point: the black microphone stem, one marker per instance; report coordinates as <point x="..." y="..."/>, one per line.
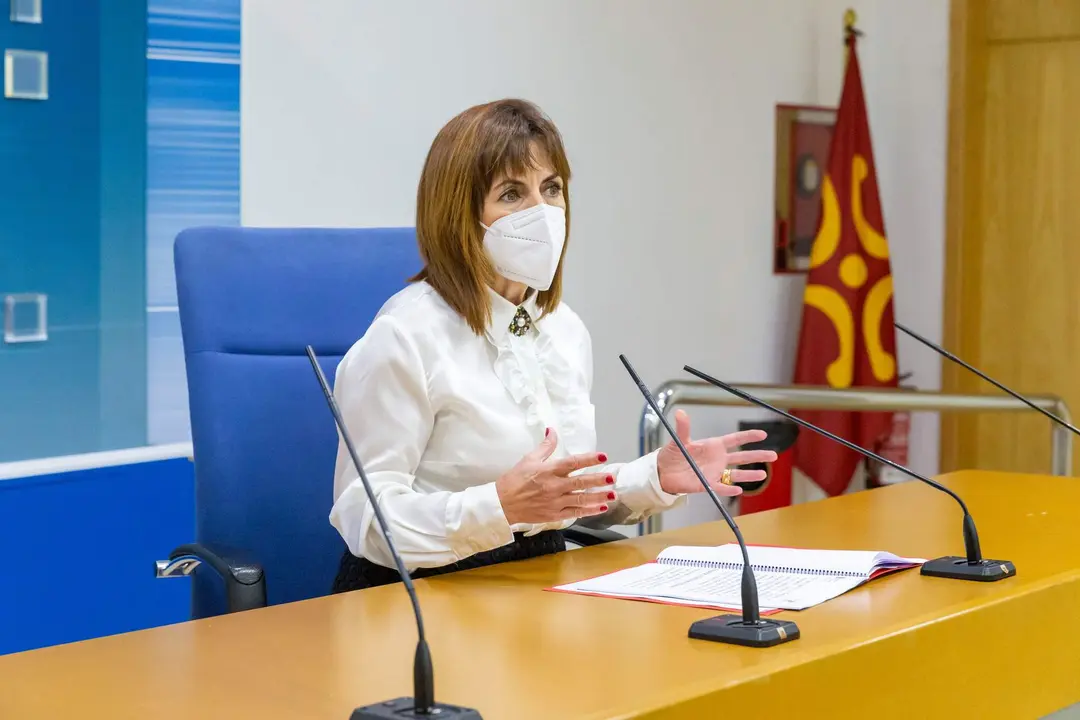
<point x="971" y="535"/>
<point x="751" y="610"/>
<point x="423" y="672"/>
<point x="949" y="356"/>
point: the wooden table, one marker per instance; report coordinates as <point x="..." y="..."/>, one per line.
<point x="902" y="646"/>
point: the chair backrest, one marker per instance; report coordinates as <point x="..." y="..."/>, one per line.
<point x="264" y="441"/>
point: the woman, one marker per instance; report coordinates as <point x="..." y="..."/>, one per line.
<point x="468" y="397"/>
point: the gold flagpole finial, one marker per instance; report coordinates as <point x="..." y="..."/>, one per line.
<point x="850" y="18"/>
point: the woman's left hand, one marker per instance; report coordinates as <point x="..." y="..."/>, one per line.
<point x="713" y="456"/>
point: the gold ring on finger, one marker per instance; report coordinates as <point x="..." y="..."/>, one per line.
<point x="725" y="479"/>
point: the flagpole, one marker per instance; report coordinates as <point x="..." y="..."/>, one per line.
<point x="850" y="18"/>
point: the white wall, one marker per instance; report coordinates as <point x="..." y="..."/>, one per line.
<point x="667" y="111"/>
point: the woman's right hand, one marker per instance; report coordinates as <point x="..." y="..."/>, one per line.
<point x="541" y="490"/>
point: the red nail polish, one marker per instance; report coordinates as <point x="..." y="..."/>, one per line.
<point x="610" y="480"/>
<point x="603" y="508"/>
<point x="547" y="431"/>
<point x="602" y="457"/>
<point x="611" y="496"/>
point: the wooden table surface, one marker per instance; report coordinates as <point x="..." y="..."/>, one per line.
<point x="900" y="646"/>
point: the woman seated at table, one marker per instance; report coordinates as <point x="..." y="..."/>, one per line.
<point x="468" y="397"/>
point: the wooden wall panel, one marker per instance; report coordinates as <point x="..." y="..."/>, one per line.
<point x="1013" y="233"/>
<point x="1026" y="20"/>
<point x="967" y="97"/>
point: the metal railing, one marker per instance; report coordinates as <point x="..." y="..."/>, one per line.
<point x="694" y="392"/>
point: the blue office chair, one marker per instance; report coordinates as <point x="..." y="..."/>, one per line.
<point x="264" y="441"/>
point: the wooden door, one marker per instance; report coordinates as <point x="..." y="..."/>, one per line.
<point x="1012" y="271"/>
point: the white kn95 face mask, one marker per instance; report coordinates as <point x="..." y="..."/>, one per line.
<point x="526" y="246"/>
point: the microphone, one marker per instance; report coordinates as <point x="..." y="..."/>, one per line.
<point x="747" y="629"/>
<point x="971" y="567"/>
<point x="946" y="354"/>
<point x="423" y="704"/>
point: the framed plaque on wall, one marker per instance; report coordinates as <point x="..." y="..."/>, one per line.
<point x="803" y="136"/>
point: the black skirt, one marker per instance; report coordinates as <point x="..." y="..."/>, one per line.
<point x="357" y="573"/>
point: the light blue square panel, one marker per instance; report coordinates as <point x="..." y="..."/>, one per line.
<point x="26" y="318"/>
<point x="26" y="11"/>
<point x="26" y="74"/>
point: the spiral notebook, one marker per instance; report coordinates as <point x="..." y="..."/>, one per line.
<point x="787" y="578"/>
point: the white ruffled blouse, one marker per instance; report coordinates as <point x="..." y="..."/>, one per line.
<point x="438" y="414"/>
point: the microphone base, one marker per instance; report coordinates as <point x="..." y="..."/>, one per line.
<point x="404" y="709"/>
<point x="733" y="630"/>
<point x="958" y="568"/>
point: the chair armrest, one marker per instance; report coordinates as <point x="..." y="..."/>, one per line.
<point x="245" y="581"/>
<point x="586" y="536"/>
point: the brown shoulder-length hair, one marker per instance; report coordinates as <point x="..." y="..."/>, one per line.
<point x="468" y="154"/>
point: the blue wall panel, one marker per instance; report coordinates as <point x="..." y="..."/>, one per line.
<point x="123" y="224"/>
<point x="49" y="217"/>
<point x="139" y="139"/>
<point x="79" y="550"/>
<point x="71" y="219"/>
<point x="193" y="111"/>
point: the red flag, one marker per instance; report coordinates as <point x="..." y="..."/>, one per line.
<point x="847" y="338"/>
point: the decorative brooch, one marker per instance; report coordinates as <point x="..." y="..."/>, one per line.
<point x="521" y="322"/>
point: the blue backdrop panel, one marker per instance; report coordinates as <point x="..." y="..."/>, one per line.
<point x="79" y="550"/>
<point x="193" y="112"/>
<point x="71" y="198"/>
